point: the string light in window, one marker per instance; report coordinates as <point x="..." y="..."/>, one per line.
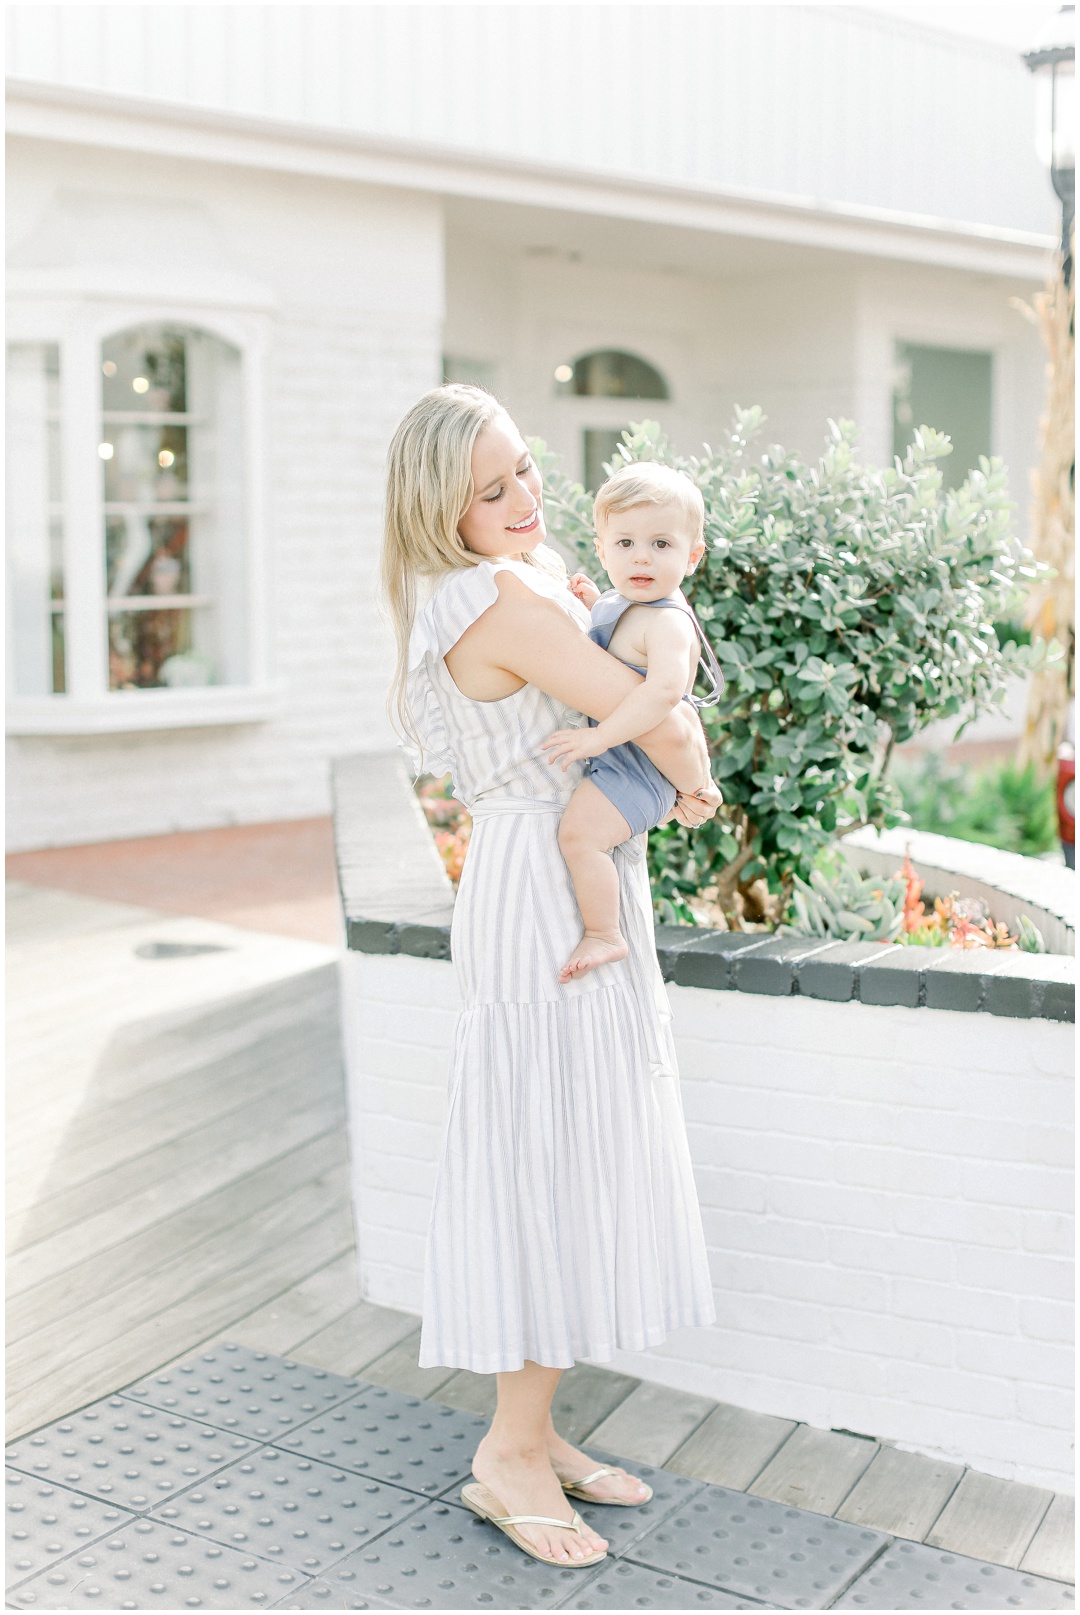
<point x="166" y="458"/>
<point x="105" y="450"/>
<point x="108" y="368"/>
<point x="140" y="385"/>
<point x="564" y="372"/>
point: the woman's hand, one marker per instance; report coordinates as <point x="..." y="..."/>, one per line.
<point x="697" y="807"/>
<point x="584" y="589"/>
<point x="573" y="746"/>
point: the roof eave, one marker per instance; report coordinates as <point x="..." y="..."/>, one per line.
<point x="97" y="118"/>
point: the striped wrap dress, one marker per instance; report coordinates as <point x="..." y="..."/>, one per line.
<point x="565" y="1222"/>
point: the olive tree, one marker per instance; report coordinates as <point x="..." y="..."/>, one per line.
<point x="849" y="606"/>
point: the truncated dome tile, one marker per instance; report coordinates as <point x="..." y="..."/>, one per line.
<point x="237" y="1388"/>
<point x="289" y="1508"/>
<point x="149" y="1566"/>
<point x="444" y="1557"/>
<point x="765" y="1550"/>
<point x="320" y="1595"/>
<point x="625" y="1586"/>
<point x="418" y="1445"/>
<point x="910" y="1575"/>
<point x="46" y="1522"/>
<point x="128" y="1454"/>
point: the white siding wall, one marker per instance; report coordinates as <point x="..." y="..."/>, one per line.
<point x="357" y="276"/>
<point x="886" y="1193"/>
<point x="814" y="101"/>
<point x="807" y="343"/>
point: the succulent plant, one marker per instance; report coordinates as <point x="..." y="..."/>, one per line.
<point x="1030" y="939"/>
<point x="847" y="906"/>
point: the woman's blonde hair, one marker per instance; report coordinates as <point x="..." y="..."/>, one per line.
<point x="429" y="487"/>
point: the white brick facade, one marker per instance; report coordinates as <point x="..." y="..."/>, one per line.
<point x="886" y="1196"/>
<point x="355" y="337"/>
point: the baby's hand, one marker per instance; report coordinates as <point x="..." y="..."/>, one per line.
<point x="572" y="745"/>
<point x="584" y="589"/>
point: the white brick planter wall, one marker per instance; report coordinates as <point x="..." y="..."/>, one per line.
<point x="886" y="1194"/>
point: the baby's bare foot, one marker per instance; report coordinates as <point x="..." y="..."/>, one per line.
<point x="595" y="948"/>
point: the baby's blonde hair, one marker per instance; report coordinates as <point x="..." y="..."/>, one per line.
<point x="429" y="487"/>
<point x="647" y="482"/>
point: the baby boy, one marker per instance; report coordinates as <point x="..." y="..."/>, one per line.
<point x="650" y="534"/>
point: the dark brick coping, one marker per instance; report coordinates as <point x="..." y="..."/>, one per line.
<point x="1025" y="986"/>
<point x="398" y="900"/>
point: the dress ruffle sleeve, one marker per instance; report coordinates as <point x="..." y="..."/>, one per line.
<point x="456" y="602"/>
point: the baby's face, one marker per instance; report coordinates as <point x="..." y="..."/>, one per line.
<point x="647" y="550"/>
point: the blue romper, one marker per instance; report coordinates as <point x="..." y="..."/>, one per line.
<point x="627" y="778"/>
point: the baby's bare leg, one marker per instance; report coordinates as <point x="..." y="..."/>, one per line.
<point x="590" y="827"/>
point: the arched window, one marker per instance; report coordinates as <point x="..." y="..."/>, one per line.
<point x="609" y="373"/>
<point x="172" y="453"/>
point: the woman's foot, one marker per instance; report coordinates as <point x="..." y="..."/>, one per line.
<point x="595" y="948"/>
<point x="525" y="1483"/>
<point x="569" y="1463"/>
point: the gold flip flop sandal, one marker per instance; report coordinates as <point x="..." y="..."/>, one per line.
<point x="487" y="1505"/>
<point x="576" y="1488"/>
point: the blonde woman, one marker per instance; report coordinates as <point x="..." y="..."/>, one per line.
<point x="565" y="1222"/>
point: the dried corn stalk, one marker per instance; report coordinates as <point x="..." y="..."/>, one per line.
<point x="1050" y="608"/>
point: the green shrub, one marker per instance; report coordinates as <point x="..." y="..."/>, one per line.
<point x="1000" y="804"/>
<point x="849" y="608"/>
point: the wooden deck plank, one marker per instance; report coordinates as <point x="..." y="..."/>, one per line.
<point x="142" y="1060"/>
<point x="254" y="1074"/>
<point x="585" y="1397"/>
<point x="651" y="1423"/>
<point x="988" y="1518"/>
<point x="1053" y="1547"/>
<point x="235" y="1159"/>
<point x="398" y="1370"/>
<point x="356" y="1339"/>
<point x="249" y="1243"/>
<point x="180" y="1329"/>
<point x="814" y="1469"/>
<point x="731" y="1447"/>
<point x="179" y="1156"/>
<point x="472" y="1393"/>
<point x="207" y="1082"/>
<point x="318" y="1300"/>
<point x="901" y="1492"/>
<point x="135" y="1260"/>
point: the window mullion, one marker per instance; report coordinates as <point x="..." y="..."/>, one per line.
<point x="84" y="544"/>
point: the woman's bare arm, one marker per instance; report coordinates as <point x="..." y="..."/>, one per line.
<point x="525" y="639"/>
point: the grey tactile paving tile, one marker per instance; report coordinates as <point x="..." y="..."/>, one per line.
<point x="149" y="1566"/>
<point x="250" y="1392"/>
<point x="289" y="1509"/>
<point x="761" y="1549"/>
<point x="909" y="1575"/>
<point x="320" y="1595"/>
<point x="46" y="1523"/>
<point x="418" y="1445"/>
<point x="125" y="1453"/>
<point x="443" y="1558"/>
<point x="625" y="1586"/>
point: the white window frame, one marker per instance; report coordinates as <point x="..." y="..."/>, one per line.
<point x="79" y="328"/>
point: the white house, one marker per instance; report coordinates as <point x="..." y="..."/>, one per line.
<point x="245" y="238"/>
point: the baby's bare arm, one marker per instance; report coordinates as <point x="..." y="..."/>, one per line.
<point x="668" y="640"/>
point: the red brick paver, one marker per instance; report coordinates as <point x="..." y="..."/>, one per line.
<point x="266" y="877"/>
